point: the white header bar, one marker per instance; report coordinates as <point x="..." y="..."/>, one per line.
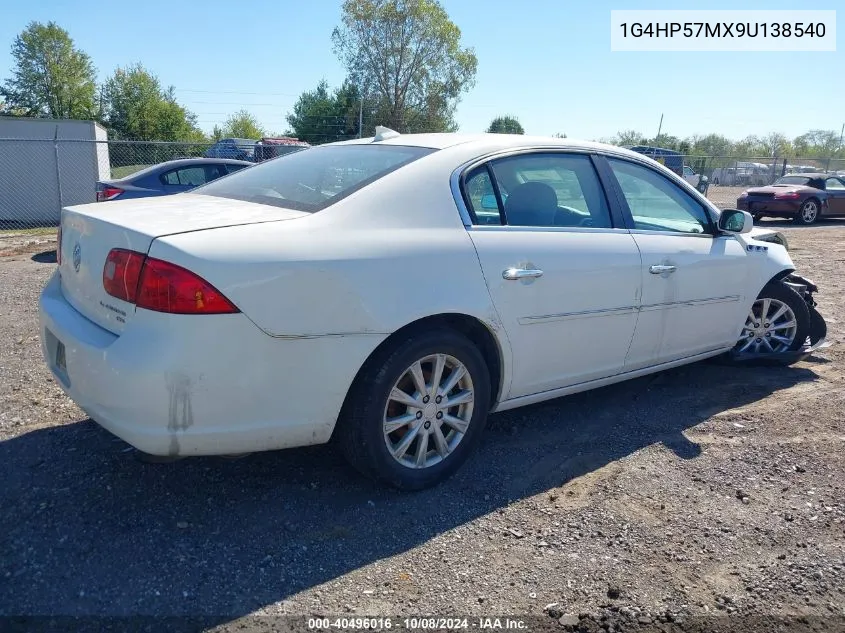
<point x="723" y="30"/>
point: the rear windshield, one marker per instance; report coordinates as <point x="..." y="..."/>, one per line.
<point x="313" y="179"/>
<point x="793" y="180"/>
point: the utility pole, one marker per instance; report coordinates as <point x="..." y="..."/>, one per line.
<point x="659" y="129"/>
<point x="360" y="116"/>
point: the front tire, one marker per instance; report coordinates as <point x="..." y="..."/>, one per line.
<point x="417" y="411"/>
<point x="778" y="322"/>
<point x="808" y="213"/>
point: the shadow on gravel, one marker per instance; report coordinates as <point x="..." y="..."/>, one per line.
<point x="87" y="529"/>
<point x="47" y="257"/>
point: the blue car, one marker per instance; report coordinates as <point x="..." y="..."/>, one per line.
<point x="237" y="148"/>
<point x="174" y="176"/>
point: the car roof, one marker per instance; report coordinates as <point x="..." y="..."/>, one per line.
<point x="444" y="140"/>
<point x="808" y="175"/>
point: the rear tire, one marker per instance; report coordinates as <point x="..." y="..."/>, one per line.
<point x="808" y="213"/>
<point x="371" y="409"/>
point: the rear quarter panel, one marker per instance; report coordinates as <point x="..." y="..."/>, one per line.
<point x="386" y="256"/>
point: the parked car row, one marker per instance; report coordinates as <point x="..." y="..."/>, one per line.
<point x="387" y="293"/>
<point x="254" y="151"/>
<point x="674" y="161"/>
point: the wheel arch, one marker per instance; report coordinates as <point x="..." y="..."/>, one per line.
<point x="480" y="333"/>
<point x="768" y="278"/>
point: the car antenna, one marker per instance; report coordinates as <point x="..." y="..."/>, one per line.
<point x="384" y="133"/>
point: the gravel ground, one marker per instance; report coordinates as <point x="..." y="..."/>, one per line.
<point x="724" y="197"/>
<point x="702" y="498"/>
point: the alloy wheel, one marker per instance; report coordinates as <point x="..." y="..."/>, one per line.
<point x="428" y="411"/>
<point x="771" y="327"/>
<point x="809" y="212"/>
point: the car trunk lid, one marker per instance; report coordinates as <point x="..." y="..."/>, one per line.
<point x="89" y="232"/>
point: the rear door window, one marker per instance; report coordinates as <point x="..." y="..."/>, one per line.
<point x="540" y="189"/>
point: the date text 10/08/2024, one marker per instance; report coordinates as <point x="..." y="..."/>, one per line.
<point x="418" y="624"/>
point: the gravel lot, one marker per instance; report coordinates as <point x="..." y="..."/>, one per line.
<point x="702" y="498"/>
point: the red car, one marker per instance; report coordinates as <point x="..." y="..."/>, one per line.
<point x="803" y="197"/>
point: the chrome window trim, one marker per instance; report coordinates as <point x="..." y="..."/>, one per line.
<point x="645" y="161"/>
<point x="667" y="232"/>
<point x="546" y="229"/>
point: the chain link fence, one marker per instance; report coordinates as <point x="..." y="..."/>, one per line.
<point x="39" y="177"/>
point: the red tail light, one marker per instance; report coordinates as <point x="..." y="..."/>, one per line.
<point x="788" y="195"/>
<point x="166" y="287"/>
<point x="59" y="245"/>
<point x="157" y="285"/>
<point x="108" y="193"/>
<point x="121" y="273"/>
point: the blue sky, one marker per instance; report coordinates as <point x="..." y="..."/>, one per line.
<point x="546" y="61"/>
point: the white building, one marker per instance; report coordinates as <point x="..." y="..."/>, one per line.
<point x="46" y="164"/>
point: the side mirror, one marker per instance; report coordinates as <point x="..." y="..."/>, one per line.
<point x="735" y="221"/>
<point x="489" y="202"/>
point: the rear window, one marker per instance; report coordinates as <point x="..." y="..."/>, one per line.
<point x="793" y="180"/>
<point x="315" y="178"/>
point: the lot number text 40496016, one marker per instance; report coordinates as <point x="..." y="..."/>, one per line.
<point x="417" y="623"/>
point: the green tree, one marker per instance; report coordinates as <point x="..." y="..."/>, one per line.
<point x="750" y="146"/>
<point x="817" y="143"/>
<point x="628" y="138"/>
<point x="505" y="125"/>
<point x="324" y="116"/>
<point x="406" y="55"/>
<point x="666" y="141"/>
<point x="711" y="145"/>
<point x="775" y="144"/>
<point x="243" y="124"/>
<point x="136" y="107"/>
<point x="50" y="76"/>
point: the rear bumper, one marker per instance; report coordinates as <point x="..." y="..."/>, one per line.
<point x="769" y="206"/>
<point x="207" y="385"/>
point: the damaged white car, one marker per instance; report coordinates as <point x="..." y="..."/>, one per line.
<point x="388" y="293"/>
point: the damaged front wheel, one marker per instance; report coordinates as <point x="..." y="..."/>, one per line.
<point x="776" y="327"/>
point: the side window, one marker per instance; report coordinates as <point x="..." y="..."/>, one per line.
<point x="191" y="176"/>
<point x="170" y="178"/>
<point x="834" y="183"/>
<point x="658" y="204"/>
<point x="551" y="189"/>
<point x="233" y="168"/>
<point x="688" y="171"/>
<point x="212" y="172"/>
<point x="481" y="197"/>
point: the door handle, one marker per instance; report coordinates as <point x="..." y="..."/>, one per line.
<point x="659" y="269"/>
<point x="521" y="273"/>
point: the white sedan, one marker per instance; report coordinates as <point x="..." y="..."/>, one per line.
<point x="388" y="293"/>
